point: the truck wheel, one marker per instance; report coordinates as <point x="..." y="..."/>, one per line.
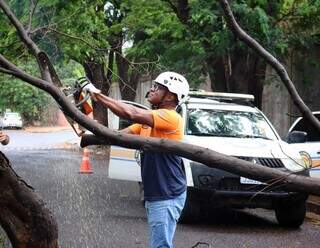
<point x="291" y="214"/>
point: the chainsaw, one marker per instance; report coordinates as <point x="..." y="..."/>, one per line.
<point x="77" y="97"/>
<point x="74" y="93"/>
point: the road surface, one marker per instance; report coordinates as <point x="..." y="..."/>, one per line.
<point x="94" y="211"/>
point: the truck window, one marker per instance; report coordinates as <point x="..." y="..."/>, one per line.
<point x="305" y="126"/>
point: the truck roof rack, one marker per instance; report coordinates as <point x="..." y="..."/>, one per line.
<point x="224" y="97"/>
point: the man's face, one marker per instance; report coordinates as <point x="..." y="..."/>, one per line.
<point x="156" y="93"/>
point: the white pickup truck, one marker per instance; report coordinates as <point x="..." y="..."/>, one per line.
<point x="229" y="124"/>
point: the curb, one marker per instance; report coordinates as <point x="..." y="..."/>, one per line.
<point x="49" y="129"/>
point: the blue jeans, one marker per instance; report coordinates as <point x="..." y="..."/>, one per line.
<point x="162" y="219"/>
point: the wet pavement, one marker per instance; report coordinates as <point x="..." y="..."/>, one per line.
<point x="92" y="211"/>
<point x="95" y="211"/>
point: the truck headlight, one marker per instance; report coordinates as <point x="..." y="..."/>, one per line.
<point x="306" y="159"/>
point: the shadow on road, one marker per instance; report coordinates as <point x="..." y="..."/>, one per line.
<point x="235" y="218"/>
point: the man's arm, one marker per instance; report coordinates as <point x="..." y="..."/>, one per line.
<point x="126" y="111"/>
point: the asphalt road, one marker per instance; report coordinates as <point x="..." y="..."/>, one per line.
<point x="94" y="211"/>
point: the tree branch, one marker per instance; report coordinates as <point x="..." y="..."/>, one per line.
<point x="73" y="37"/>
<point x="25" y="38"/>
<point x="196" y="153"/>
<point x="270" y="59"/>
<point x="21" y="31"/>
<point x="9" y="72"/>
<point x="32" y="7"/>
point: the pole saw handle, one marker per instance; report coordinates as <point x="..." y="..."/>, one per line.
<point x="91" y="139"/>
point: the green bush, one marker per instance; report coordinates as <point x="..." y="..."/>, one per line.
<point x="23" y="98"/>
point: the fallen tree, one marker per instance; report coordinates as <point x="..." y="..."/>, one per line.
<point x="202" y="155"/>
<point x="24" y="216"/>
<point x="196" y="153"/>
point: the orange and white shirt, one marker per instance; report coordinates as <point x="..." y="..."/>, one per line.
<point x="162" y="174"/>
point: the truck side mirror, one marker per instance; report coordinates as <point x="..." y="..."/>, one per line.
<point x="296" y="137"/>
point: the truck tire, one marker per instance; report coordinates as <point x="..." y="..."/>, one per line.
<point x="291" y="214"/>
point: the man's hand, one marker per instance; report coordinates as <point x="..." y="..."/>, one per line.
<point x="91" y="89"/>
<point x="4" y="138"/>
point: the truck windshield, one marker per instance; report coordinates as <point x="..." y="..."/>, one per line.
<point x="224" y="123"/>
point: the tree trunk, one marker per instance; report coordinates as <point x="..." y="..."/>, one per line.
<point x="247" y="75"/>
<point x="127" y="82"/>
<point x="95" y="73"/>
<point x="23" y="214"/>
<point x="217" y="74"/>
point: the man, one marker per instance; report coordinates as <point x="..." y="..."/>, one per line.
<point x="162" y="174"/>
<point x="4" y="138"/>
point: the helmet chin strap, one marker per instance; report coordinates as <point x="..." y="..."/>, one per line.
<point x="156" y="106"/>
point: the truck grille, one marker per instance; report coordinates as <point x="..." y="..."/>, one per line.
<point x="232" y="184"/>
<point x="212" y="178"/>
<point x="269" y="162"/>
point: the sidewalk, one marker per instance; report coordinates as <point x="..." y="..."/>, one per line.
<point x="34" y="129"/>
<point x="73" y="143"/>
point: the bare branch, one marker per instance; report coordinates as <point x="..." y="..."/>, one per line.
<point x="75" y="38"/>
<point x="32" y="7"/>
<point x="134" y="65"/>
<point x="6" y="71"/>
<point x="270" y="59"/>
<point x="195" y="153"/>
<point x="62" y="20"/>
<point x="122" y="81"/>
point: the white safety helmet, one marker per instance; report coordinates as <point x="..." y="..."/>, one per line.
<point x="175" y="83"/>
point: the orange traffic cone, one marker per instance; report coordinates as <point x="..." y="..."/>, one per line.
<point x="85" y="167"/>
